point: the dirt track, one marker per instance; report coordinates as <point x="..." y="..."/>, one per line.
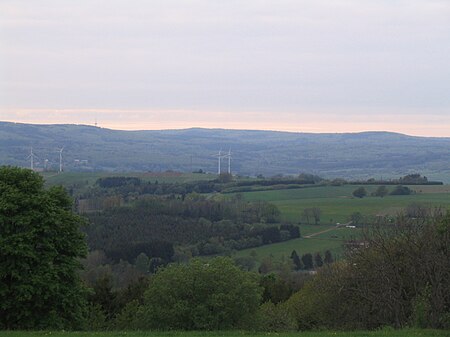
<point x="327" y="230"/>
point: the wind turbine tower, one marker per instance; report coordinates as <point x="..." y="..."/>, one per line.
<point x="219" y="157"/>
<point x="229" y="161"/>
<point x="60" y="159"/>
<point x="31" y="156"/>
<point x="220" y="160"/>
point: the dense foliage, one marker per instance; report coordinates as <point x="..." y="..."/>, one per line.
<point x="208" y="226"/>
<point x="210" y="295"/>
<point x="142" y="274"/>
<point x="40" y="243"/>
<point x="400" y="277"/>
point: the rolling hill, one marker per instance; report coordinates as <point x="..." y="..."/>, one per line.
<point x="347" y="155"/>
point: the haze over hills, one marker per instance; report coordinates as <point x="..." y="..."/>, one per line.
<point x="347" y="155"/>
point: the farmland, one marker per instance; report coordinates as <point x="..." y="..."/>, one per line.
<point x="337" y="202"/>
<point x="89" y="178"/>
<point x="331" y="240"/>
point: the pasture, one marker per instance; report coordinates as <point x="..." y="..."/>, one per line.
<point x="378" y="333"/>
<point x="337" y="203"/>
<point x="89" y="178"/>
<point x="316" y="240"/>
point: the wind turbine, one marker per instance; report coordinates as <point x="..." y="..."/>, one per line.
<point x="229" y="160"/>
<point x="219" y="157"/>
<point x="60" y="159"/>
<point x="31" y="157"/>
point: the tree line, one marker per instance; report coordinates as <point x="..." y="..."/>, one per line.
<point x="204" y="226"/>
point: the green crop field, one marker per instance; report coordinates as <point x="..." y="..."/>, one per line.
<point x="379" y="333"/>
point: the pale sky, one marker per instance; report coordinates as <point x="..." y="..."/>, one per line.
<point x="295" y="65"/>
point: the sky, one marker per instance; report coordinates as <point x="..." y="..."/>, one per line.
<point x="292" y="65"/>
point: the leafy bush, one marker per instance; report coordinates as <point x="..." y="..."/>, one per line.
<point x="275" y="318"/>
<point x="400" y="276"/>
<point x="360" y="192"/>
<point x="401" y="190"/>
<point x="200" y="296"/>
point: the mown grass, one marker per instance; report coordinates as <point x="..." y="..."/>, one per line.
<point x="379" y="333"/>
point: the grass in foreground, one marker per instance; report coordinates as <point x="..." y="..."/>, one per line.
<point x="379" y="333"/>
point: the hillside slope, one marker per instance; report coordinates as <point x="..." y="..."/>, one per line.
<point x="351" y="155"/>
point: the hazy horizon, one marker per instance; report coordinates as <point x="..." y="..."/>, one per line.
<point x="217" y="128"/>
<point x="299" y="66"/>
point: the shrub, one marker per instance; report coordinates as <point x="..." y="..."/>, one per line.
<point x="200" y="295"/>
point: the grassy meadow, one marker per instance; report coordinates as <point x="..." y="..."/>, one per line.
<point x="379" y="333"/>
<point x="336" y="204"/>
<point x="89" y="178"/>
<point x="331" y="240"/>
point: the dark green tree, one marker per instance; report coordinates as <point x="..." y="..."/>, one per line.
<point x="307" y="260"/>
<point x="360" y="192"/>
<point x="318" y="261"/>
<point x="142" y="263"/>
<point x="40" y="247"/>
<point x="401" y="190"/>
<point x="328" y="257"/>
<point x="296" y="259"/>
<point x="104" y="296"/>
<point x="381" y="191"/>
<point x="312" y="213"/>
<point x="356" y="218"/>
<point x="276" y="289"/>
<point x="225" y="178"/>
<point x="317" y="212"/>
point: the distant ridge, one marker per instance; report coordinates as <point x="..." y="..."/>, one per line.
<point x="348" y="155"/>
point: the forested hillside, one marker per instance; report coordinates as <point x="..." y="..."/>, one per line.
<point x="352" y="155"/>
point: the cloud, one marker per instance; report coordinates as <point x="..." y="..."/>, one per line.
<point x="273" y="57"/>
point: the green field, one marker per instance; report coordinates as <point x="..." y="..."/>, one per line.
<point x="89" y="178"/>
<point x="337" y="202"/>
<point x="331" y="240"/>
<point x="379" y="333"/>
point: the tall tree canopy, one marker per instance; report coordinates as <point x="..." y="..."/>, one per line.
<point x="211" y="295"/>
<point x="40" y="243"/>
